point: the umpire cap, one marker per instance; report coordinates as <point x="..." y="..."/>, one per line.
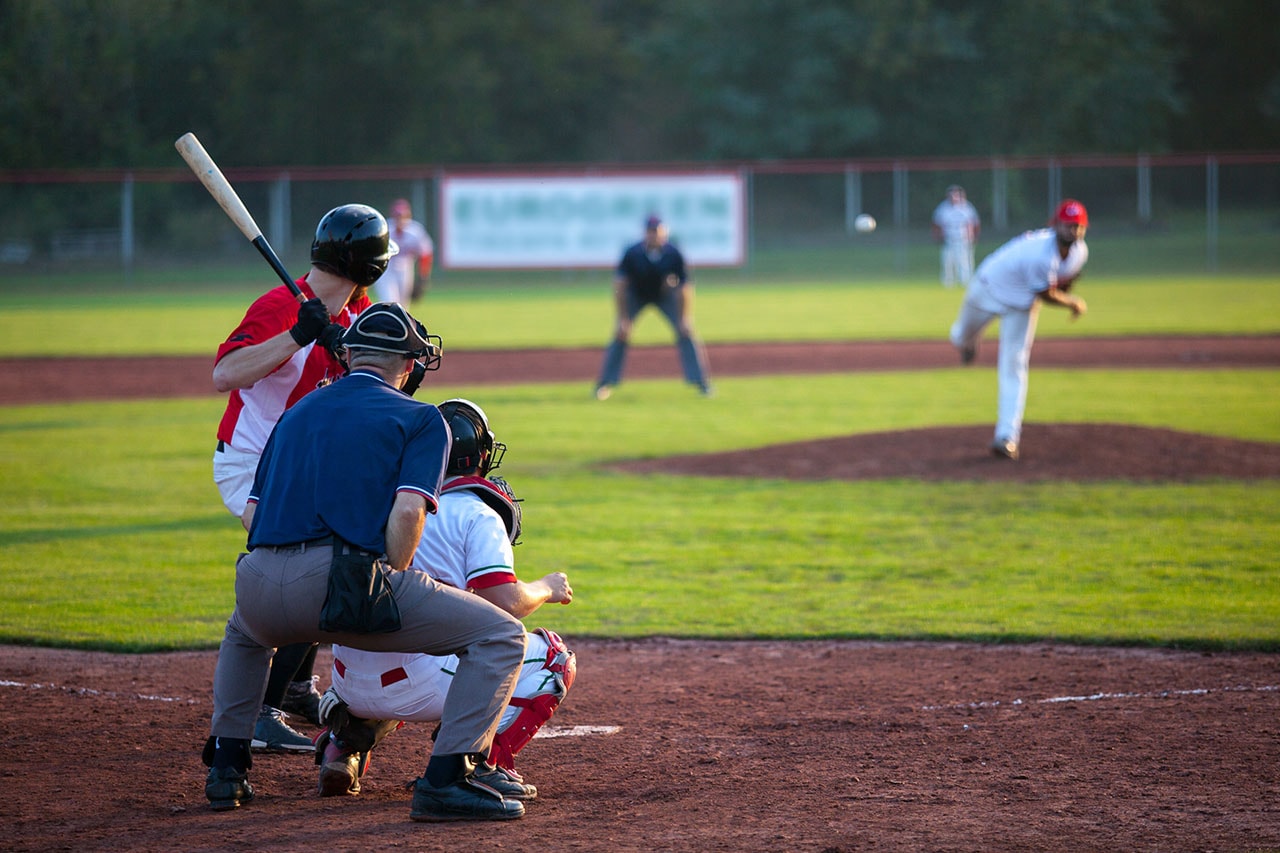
<point x="387" y="327"/>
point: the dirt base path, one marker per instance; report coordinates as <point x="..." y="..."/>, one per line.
<point x="719" y="746"/>
<point x="32" y="380"/>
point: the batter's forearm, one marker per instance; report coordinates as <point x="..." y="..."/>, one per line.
<point x="245" y="366"/>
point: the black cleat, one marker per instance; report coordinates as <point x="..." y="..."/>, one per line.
<point x="505" y="784"/>
<point x="227" y="788"/>
<point x="465" y="799"/>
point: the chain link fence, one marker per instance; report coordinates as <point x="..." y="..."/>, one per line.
<point x="1174" y="213"/>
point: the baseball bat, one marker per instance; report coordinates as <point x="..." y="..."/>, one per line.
<point x="225" y="195"/>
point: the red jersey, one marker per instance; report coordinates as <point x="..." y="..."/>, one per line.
<point x="253" y="412"/>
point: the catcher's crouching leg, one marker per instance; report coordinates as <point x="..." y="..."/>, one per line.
<point x="342" y="749"/>
<point x="554" y="678"/>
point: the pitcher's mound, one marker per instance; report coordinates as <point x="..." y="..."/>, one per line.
<point x="1048" y="452"/>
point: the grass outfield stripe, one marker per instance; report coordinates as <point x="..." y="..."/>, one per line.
<point x="115" y="501"/>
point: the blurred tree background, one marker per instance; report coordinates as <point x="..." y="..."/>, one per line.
<point x="111" y="83"/>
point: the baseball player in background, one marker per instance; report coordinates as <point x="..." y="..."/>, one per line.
<point x="653" y="272"/>
<point x="467" y="545"/>
<point x="409" y="272"/>
<point x="1038" y="266"/>
<point x="331" y="534"/>
<point x="280" y="352"/>
<point x="956" y="226"/>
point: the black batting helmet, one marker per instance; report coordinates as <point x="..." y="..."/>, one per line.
<point x="353" y="241"/>
<point x="473" y="444"/>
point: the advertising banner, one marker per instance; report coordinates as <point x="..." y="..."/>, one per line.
<point x="497" y="222"/>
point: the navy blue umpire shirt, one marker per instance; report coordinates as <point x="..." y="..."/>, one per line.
<point x="336" y="461"/>
<point x="645" y="273"/>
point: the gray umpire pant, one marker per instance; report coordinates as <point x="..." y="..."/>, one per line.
<point x="279" y="594"/>
<point x="693" y="358"/>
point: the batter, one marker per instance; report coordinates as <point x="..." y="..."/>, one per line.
<point x="278" y="353"/>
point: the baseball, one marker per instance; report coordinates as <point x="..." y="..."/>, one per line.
<point x="865" y="223"/>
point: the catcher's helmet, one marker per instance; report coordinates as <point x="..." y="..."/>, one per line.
<point x="353" y="241"/>
<point x="473" y="445"/>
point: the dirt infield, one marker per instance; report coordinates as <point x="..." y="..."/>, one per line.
<point x="815" y="746"/>
<point x="722" y="746"/>
<point x="31" y="380"/>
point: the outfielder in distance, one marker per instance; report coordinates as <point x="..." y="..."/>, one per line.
<point x="956" y="225"/>
<point x="331" y="534"/>
<point x="409" y="272"/>
<point x="467" y="545"/>
<point x="280" y="352"/>
<point x="653" y="272"/>
<point x="1038" y="266"/>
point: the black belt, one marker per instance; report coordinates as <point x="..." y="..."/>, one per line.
<point x="321" y="542"/>
<point x="222" y="445"/>
<point x="301" y="546"/>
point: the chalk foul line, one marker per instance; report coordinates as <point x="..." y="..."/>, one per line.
<point x="576" y="731"/>
<point x="545" y="732"/>
<point x="1097" y="697"/>
<point x="110" y="694"/>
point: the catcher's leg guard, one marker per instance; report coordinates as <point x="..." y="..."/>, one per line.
<point x="559" y="671"/>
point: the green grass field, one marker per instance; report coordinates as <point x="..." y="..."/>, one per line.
<point x="113" y="536"/>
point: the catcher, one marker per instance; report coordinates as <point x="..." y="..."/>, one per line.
<point x="466" y="544"/>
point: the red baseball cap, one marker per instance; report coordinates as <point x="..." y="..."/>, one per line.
<point x="1072" y="211"/>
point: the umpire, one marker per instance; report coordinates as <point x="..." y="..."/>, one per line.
<point x="336" y="511"/>
<point x="653" y="272"/>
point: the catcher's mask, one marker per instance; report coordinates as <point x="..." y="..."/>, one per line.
<point x="353" y="241"/>
<point x="387" y="327"/>
<point x="473" y="445"/>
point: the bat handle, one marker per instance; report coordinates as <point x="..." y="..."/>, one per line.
<point x="264" y="248"/>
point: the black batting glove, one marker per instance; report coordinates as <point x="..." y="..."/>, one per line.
<point x="331" y="339"/>
<point x="312" y="319"/>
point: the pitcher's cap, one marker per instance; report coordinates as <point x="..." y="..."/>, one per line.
<point x="1072" y="211"/>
